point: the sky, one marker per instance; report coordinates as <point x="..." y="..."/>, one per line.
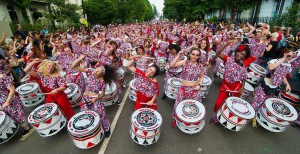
<point x="159" y="5"/>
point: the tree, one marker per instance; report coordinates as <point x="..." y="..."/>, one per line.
<point x="154" y="10"/>
<point x="99" y="11"/>
<point x="23" y="4"/>
<point x="59" y="10"/>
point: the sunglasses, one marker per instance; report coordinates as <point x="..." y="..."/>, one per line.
<point x="195" y="54"/>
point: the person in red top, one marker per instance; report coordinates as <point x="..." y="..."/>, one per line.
<point x="52" y="83"/>
<point x="147" y="86"/>
<point x="235" y="75"/>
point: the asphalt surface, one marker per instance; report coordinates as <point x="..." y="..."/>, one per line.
<point x="211" y="139"/>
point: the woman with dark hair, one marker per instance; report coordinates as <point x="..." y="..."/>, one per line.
<point x="235" y="75"/>
<point x="192" y="77"/>
<point x="95" y="89"/>
<point x="270" y="85"/>
<point x="147" y="86"/>
<point x="172" y="72"/>
<point x="204" y="47"/>
<point x="143" y="60"/>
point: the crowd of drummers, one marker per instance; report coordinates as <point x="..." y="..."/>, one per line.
<point x="91" y="56"/>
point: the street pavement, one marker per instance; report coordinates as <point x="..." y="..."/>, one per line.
<point x="212" y="138"/>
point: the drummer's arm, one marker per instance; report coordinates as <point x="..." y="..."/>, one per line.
<point x="130" y="65"/>
<point x="11" y="94"/>
<point x="273" y="66"/>
<point x="176" y="62"/>
<point x="28" y="68"/>
<point x="219" y="52"/>
<point x="242" y="88"/>
<point x="98" y="97"/>
<point x="77" y="62"/>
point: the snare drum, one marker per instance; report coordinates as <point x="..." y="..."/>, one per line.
<point x="25" y="79"/>
<point x="74" y="94"/>
<point x="133" y="90"/>
<point x="111" y="95"/>
<point x="248" y="89"/>
<point x="85" y="129"/>
<point x="276" y="115"/>
<point x="161" y="62"/>
<point x="290" y="97"/>
<point x="173" y="87"/>
<point x="121" y="75"/>
<point x="145" y="126"/>
<point x="47" y="119"/>
<point x="8" y="127"/>
<point x="235" y="113"/>
<point x="190" y="116"/>
<point x="205" y="85"/>
<point x="29" y="94"/>
<point x="255" y="73"/>
<point x="221" y="70"/>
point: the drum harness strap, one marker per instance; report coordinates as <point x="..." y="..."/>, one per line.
<point x="227" y="89"/>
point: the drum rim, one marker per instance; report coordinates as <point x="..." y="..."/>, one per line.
<point x="174" y="78"/>
<point x="4" y="117"/>
<point x="194" y="120"/>
<point x="35" y="88"/>
<point x="252" y="65"/>
<point x="89" y="129"/>
<point x="76" y="87"/>
<point x="251" y="109"/>
<point x="207" y="77"/>
<point x="25" y="78"/>
<point x="293" y="111"/>
<point x="144" y="128"/>
<point x="247" y="85"/>
<point x="55" y="109"/>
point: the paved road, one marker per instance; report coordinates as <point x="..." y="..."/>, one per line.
<point x="212" y="139"/>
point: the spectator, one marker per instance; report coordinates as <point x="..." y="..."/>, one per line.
<point x="20" y="31"/>
<point x="45" y="30"/>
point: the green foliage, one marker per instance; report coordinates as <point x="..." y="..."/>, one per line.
<point x="108" y="11"/>
<point x="36" y="15"/>
<point x="213" y="19"/>
<point x="291" y="18"/>
<point x="100" y="11"/>
<point x="26" y="26"/>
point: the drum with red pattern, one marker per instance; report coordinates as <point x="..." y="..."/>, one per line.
<point x="190" y="116"/>
<point x="276" y="115"/>
<point x="74" y="94"/>
<point x="235" y="113"/>
<point x="111" y="95"/>
<point x="145" y="126"/>
<point x="30" y="94"/>
<point x="47" y="119"/>
<point x="255" y="73"/>
<point x="8" y="127"/>
<point x="173" y="87"/>
<point x="221" y="70"/>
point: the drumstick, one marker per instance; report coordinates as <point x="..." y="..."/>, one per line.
<point x="231" y="91"/>
<point x="146" y="103"/>
<point x="33" y="94"/>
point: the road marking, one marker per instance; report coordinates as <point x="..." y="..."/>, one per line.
<point x="114" y="123"/>
<point x="29" y="133"/>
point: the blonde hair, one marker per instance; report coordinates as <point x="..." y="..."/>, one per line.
<point x="43" y="67"/>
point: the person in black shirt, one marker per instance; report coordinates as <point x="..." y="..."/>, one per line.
<point x="270" y="52"/>
<point x="20" y="32"/>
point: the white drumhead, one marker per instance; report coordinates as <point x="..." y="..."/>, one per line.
<point x="72" y="89"/>
<point x="125" y="62"/>
<point x="146" y="119"/>
<point x="281" y="109"/>
<point x="190" y="111"/>
<point x="175" y="82"/>
<point x="240" y="107"/>
<point x="258" y="68"/>
<point x="27" y="88"/>
<point x="83" y="122"/>
<point x="42" y="112"/>
<point x="248" y="87"/>
<point x="120" y="71"/>
<point x="2" y="117"/>
<point x="25" y="78"/>
<point x="110" y="88"/>
<point x="133" y="84"/>
<point x="206" y="81"/>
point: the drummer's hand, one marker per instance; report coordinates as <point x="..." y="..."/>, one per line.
<point x="197" y="87"/>
<point x="208" y="65"/>
<point x="37" y="60"/>
<point x="54" y="91"/>
<point x="94" y="100"/>
<point x="150" y="103"/>
<point x="137" y="57"/>
<point x="241" y="90"/>
<point x="288" y="88"/>
<point x="4" y="105"/>
<point x="181" y="52"/>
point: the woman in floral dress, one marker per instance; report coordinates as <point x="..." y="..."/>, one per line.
<point x="235" y="75"/>
<point x="95" y="89"/>
<point x="11" y="103"/>
<point x="51" y="82"/>
<point x="270" y="85"/>
<point x="192" y="78"/>
<point x="147" y="86"/>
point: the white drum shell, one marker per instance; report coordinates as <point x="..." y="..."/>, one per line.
<point x="111" y="96"/>
<point x="133" y="90"/>
<point x="173" y="87"/>
<point x="74" y="96"/>
<point x="8" y="128"/>
<point x="30" y="97"/>
<point x="48" y="126"/>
